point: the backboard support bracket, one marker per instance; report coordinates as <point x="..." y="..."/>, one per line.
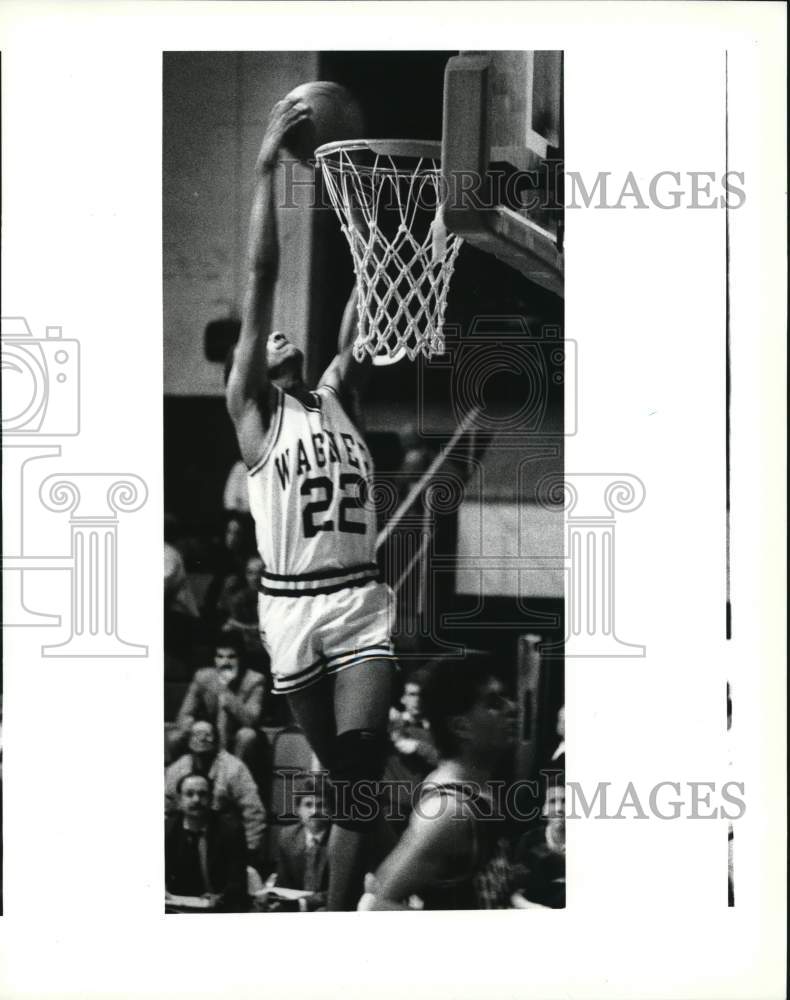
<point x="470" y="208"/>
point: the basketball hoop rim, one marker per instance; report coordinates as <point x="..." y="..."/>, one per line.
<point x="417" y="149"/>
<point x="362" y="177"/>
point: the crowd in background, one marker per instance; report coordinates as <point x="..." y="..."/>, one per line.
<point x="234" y="841"/>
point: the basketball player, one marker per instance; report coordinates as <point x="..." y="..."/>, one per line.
<point x="324" y="617"/>
<point x="450" y="857"/>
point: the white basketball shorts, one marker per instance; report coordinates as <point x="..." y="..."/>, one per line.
<point x="310" y="636"/>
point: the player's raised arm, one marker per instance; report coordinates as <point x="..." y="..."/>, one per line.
<point x="248" y="391"/>
<point x="345" y="374"/>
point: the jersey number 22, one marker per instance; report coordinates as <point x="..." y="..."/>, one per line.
<point x="325" y="488"/>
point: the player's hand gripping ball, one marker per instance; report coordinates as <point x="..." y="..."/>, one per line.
<point x="333" y="114"/>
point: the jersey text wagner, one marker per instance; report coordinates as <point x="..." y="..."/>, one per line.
<point x="309" y="495"/>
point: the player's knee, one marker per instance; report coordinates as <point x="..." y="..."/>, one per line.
<point x="357" y="765"/>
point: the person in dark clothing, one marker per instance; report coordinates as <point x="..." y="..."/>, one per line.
<point x="542" y="853"/>
<point x="302" y="852"/>
<point x="205" y="852"/>
<point x="229" y="567"/>
<point x="412" y="755"/>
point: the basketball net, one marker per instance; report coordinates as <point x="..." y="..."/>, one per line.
<point x="387" y="196"/>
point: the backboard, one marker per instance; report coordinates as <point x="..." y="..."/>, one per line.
<point x="502" y="158"/>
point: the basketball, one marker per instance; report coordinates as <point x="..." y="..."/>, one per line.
<point x="335" y="115"/>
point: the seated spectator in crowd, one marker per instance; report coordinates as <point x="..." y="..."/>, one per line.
<point x="302" y="857"/>
<point x="409" y="729"/>
<point x="451" y="855"/>
<point x="243" y="609"/>
<point x="181" y="611"/>
<point x="228" y="568"/>
<point x="414" y="754"/>
<point x="542" y="852"/>
<point x="233" y="787"/>
<point x="231" y="697"/>
<point x="179" y="598"/>
<point x="204" y="850"/>
<point x="236" y="495"/>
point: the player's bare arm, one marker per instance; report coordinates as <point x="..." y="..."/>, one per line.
<point x="439" y="833"/>
<point x="249" y="394"/>
<point x="345" y="374"/>
<point x="344" y="371"/>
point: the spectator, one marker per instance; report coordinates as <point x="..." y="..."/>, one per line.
<point x="302" y="858"/>
<point x="204" y="851"/>
<point x="181" y="619"/>
<point x="409" y="729"/>
<point x="229" y="567"/>
<point x="179" y="598"/>
<point x="230" y="697"/>
<point x="243" y="608"/>
<point x="414" y="753"/>
<point x="233" y="786"/>
<point x="542" y="852"/>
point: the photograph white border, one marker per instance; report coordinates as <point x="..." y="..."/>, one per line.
<point x="82" y="775"/>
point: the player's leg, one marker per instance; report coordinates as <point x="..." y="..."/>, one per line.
<point x="313" y="709"/>
<point x="362" y="696"/>
<point x="288" y="628"/>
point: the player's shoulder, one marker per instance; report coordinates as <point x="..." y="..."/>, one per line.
<point x="444" y="800"/>
<point x="304" y="400"/>
<point x="330" y="396"/>
<point x="253" y="420"/>
<point x="267" y="437"/>
<point x="325" y="395"/>
<point x="338" y="401"/>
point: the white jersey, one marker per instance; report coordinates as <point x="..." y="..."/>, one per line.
<point x="315" y="526"/>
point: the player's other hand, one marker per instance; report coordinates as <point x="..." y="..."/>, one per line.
<point x="368" y="899"/>
<point x="284" y="115"/>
